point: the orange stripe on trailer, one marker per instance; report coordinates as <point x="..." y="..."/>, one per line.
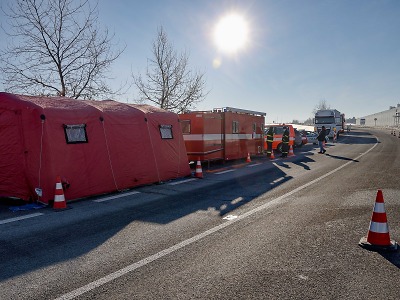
<point x="217" y="137"/>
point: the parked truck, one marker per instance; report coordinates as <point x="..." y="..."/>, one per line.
<point x="332" y="119"/>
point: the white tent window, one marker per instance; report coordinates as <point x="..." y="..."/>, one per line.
<point x="166" y="131"/>
<point x="75" y="134"/>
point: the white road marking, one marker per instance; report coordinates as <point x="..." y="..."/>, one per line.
<point x="230" y="217"/>
<point x="117" y="274"/>
<point x="116" y="196"/>
<point x="237" y="200"/>
<point x="20" y="218"/>
<point x="278" y="180"/>
<point x="253" y="165"/>
<point x="223" y="172"/>
<point x="182" y="181"/>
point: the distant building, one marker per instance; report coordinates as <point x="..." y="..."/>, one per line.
<point x="390" y="117"/>
<point x="351" y="120"/>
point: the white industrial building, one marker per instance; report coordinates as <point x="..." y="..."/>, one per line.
<point x="387" y="118"/>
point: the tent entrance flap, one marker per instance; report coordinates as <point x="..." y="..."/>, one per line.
<point x="12" y="160"/>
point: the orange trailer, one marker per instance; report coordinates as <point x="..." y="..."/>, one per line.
<point x="223" y="133"/>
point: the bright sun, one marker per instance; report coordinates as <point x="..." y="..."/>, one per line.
<point x="231" y="33"/>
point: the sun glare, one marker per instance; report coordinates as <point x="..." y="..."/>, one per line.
<point x="231" y="33"/>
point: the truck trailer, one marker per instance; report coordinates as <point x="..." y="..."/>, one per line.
<point x="222" y="134"/>
<point x="332" y="119"/>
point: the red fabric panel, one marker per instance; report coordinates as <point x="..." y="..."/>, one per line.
<point x="12" y="177"/>
<point x="169" y="154"/>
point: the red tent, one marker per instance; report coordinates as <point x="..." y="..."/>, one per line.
<point x="96" y="147"/>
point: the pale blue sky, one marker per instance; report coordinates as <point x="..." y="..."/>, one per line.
<point x="300" y="52"/>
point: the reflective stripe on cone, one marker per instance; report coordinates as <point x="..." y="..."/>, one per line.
<point x="199" y="171"/>
<point x="59" y="199"/>
<point x="378" y="237"/>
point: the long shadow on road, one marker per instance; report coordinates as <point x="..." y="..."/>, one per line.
<point x="64" y="239"/>
<point x="341" y="157"/>
<point x="393" y="257"/>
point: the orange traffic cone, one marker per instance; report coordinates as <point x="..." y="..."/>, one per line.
<point x="248" y="159"/>
<point x="199" y="171"/>
<point x="291" y="153"/>
<point x="378" y="237"/>
<point x="272" y="154"/>
<point x="59" y="199"/>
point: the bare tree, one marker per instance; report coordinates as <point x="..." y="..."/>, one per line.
<point x="168" y="82"/>
<point x="309" y="121"/>
<point x="56" y="48"/>
<point x="322" y="105"/>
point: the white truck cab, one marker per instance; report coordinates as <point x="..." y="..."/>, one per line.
<point x="331" y="119"/>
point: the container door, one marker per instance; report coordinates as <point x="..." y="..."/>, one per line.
<point x="213" y="137"/>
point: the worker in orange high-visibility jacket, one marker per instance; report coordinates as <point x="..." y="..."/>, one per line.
<point x="270" y="140"/>
<point x="334" y="135"/>
<point x="285" y="143"/>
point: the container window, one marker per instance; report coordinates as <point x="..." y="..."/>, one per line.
<point x="254" y="127"/>
<point x="235" y="127"/>
<point x="166" y="131"/>
<point x="75" y="134"/>
<point x="186" y="126"/>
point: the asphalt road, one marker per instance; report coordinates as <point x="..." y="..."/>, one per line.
<point x="283" y="229"/>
